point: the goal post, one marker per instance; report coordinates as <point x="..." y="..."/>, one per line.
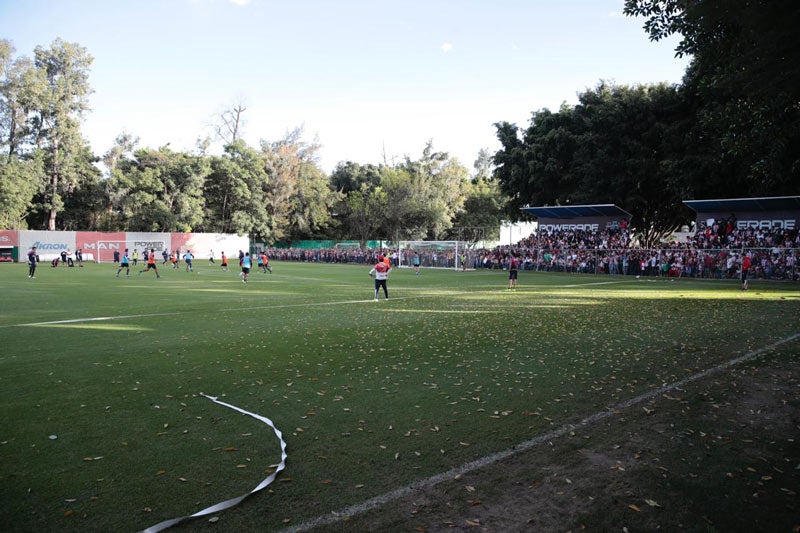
<point x="434" y="254"/>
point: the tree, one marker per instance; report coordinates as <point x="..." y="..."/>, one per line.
<point x="19" y="82"/>
<point x="160" y="190"/>
<point x="236" y="193"/>
<point x="744" y="84"/>
<point x="349" y="176"/>
<point x="229" y="123"/>
<point x="482" y="215"/>
<point x="366" y="208"/>
<point x="299" y="199"/>
<point x="60" y="101"/>
<point x="19" y="179"/>
<point x="619" y="145"/>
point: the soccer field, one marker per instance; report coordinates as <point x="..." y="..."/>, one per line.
<point x="103" y="426"/>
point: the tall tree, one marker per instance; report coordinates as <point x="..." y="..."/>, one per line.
<point x="236" y="193"/>
<point x="299" y="198"/>
<point x="744" y="84"/>
<point x="61" y="100"/>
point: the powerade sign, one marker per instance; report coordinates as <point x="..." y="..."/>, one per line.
<point x="155" y="245"/>
<point x="564" y="227"/>
<point x="590" y="223"/>
<point x="767" y="224"/>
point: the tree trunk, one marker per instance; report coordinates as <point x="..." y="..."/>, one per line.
<point x="51" y="223"/>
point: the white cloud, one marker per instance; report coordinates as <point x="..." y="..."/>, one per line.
<point x="446" y="47"/>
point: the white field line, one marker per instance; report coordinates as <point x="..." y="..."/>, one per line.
<point x="453" y="473"/>
<point x="284" y="306"/>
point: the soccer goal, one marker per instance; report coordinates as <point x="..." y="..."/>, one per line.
<point x="435" y="254"/>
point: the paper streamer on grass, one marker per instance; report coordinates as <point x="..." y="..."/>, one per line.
<point x="221" y="506"/>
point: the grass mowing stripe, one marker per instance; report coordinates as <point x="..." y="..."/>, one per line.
<point x="378" y="501"/>
<point x="282" y="306"/>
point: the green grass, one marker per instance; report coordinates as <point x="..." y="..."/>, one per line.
<point x="369" y="395"/>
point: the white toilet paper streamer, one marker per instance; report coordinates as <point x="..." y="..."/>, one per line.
<point x="221" y="506"/>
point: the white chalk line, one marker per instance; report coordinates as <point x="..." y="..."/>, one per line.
<point x="283" y="306"/>
<point x="453" y="473"/>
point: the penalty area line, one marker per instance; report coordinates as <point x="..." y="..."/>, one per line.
<point x="488" y="460"/>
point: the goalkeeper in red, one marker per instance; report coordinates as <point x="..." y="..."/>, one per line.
<point x="381" y="273"/>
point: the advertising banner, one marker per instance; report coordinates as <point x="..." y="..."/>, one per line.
<point x="49" y="244"/>
<point x="8" y="238"/>
<point x="203" y="245"/>
<point x="754" y="219"/>
<point x="579" y="223"/>
<point x="100" y="246"/>
<point x="141" y="242"/>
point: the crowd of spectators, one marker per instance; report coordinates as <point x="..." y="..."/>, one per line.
<point x="715" y="251"/>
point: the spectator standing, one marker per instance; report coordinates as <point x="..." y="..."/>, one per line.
<point x="745" y="270"/>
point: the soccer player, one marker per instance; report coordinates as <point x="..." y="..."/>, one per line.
<point x="124" y="264"/>
<point x="416" y="263"/>
<point x="224" y="262"/>
<point x="247" y="263"/>
<point x="381" y="273"/>
<point x="174" y="258"/>
<point x="151" y="263"/>
<point x="265" y="262"/>
<point x="188" y="258"/>
<point x="211" y="257"/>
<point x="33" y="260"/>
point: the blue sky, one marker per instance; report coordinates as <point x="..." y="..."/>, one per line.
<point x="368" y="79"/>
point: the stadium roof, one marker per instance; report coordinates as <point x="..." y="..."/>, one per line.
<point x="576" y="211"/>
<point x="775" y="203"/>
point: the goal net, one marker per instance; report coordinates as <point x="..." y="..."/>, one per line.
<point x="435" y="254"/>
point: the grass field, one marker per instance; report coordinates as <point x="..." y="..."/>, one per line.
<point x="370" y="396"/>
